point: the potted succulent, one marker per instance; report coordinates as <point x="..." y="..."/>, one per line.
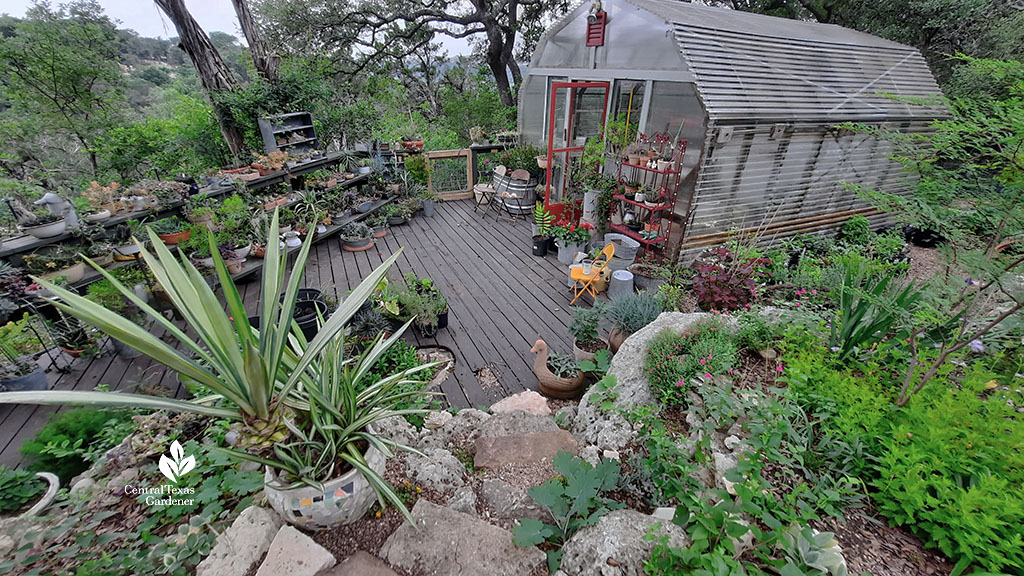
<point x="104" y="197"/>
<point x="541" y="229"/>
<point x="630" y="188"/>
<point x="88" y="212"/>
<point x="584" y="330"/>
<point x="378" y="225"/>
<point x="72" y="337"/>
<point x="356" y="237"/>
<point x="301" y="408"/>
<point x="124" y="238"/>
<point x="172" y="230"/>
<point x="396" y="214"/>
<point x="199" y="210"/>
<point x="629" y="314"/>
<point x="55" y="260"/>
<point x="558" y="376"/>
<point x="19" y="344"/>
<point x="272" y="162"/>
<point x="43" y="225"/>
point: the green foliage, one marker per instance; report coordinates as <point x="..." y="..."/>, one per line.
<point x="632" y="312"/>
<point x="952" y="472"/>
<point x="18" y="488"/>
<point x="600" y="364"/>
<point x="562" y="365"/>
<point x="402" y="358"/>
<point x="181" y="136"/>
<point x="756" y="331"/>
<point x="417" y="167"/>
<point x="813" y="549"/>
<point x="523" y="157"/>
<point x="72" y="440"/>
<point x="62" y="76"/>
<point x="869" y="310"/>
<point x="857" y="230"/>
<point x="574" y="500"/>
<point x="543" y="219"/>
<point x="673" y="360"/>
<point x="586" y="322"/>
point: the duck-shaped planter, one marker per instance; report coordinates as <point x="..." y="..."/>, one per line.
<point x="549" y="384"/>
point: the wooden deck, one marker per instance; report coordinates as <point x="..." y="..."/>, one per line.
<point x="502" y="298"/>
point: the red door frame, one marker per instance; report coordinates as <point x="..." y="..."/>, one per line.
<point x="559" y="208"/>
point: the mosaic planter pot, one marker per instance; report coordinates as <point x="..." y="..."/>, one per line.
<point x="342" y="501"/>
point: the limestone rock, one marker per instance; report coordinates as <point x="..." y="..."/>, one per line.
<point x="243" y="544"/>
<point x="529" y="401"/>
<point x="438" y="469"/>
<point x="615" y="546"/>
<point x="610" y="431"/>
<point x="464" y="500"/>
<point x="565" y="415"/>
<point x="516" y="424"/>
<point x="82" y="486"/>
<point x="494" y="452"/>
<point x="591" y="454"/>
<point x="665" y="513"/>
<point x="295" y="554"/>
<point x="398" y="429"/>
<point x="507" y="502"/>
<point x="361" y="564"/>
<point x="437" y="419"/>
<point x="124" y="478"/>
<point x="457" y="433"/>
<point x="724" y="463"/>
<point x="448" y="543"/>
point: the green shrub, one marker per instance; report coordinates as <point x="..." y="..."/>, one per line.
<point x="400" y="357"/>
<point x="756" y="332"/>
<point x="18" y="488"/>
<point x="857" y="230"/>
<point x="72" y="440"/>
<point x="953" y="473"/>
<point x="632" y="312"/>
<point x="673" y="360"/>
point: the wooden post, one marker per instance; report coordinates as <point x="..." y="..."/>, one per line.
<point x="471" y="168"/>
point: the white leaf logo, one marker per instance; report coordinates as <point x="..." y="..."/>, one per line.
<point x="178" y="464"/>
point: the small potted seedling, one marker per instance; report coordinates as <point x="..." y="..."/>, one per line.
<point x="584" y="329"/>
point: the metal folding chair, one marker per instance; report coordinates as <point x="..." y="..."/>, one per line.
<point x="487" y="191"/>
<point x="584" y="283"/>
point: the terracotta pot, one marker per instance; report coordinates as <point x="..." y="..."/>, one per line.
<point x="176" y="238"/>
<point x="549" y="384"/>
<point x="582" y="354"/>
<point x="235" y="266"/>
<point x="72" y="353"/>
<point x="380" y="232"/>
<point x="258" y="251"/>
<point x="263" y="171"/>
<point x="636" y="159"/>
<point x="357" y="245"/>
<point x="615" y="339"/>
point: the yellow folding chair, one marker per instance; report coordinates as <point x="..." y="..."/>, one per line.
<point x="584" y="283"/>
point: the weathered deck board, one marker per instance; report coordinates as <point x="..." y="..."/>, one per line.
<point x="502" y="299"/>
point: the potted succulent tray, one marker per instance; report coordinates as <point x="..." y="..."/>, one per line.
<point x="44" y="226"/>
<point x="356" y="237"/>
<point x="558" y="376"/>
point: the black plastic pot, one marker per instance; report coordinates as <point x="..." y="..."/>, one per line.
<point x="27" y="383"/>
<point x="923" y="238"/>
<point x="442" y="320"/>
<point x="540" y="246"/>
<point x="309" y="306"/>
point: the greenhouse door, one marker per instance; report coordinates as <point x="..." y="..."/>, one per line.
<point x="576" y="112"/>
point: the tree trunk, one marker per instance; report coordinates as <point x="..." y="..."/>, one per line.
<point x="214" y="74"/>
<point x="267" y="65"/>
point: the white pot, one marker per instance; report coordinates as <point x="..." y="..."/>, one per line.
<point x="46" y="230"/>
<point x="292" y="240"/>
<point x="98" y="216"/>
<point x="365" y="170"/>
<point x="640" y="197"/>
<point x="242" y="251"/>
<point x="73" y="273"/>
<point x="342" y="501"/>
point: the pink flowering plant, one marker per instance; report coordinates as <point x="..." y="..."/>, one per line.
<point x="674" y="361"/>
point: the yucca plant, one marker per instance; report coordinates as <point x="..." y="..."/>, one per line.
<point x="333" y="422"/>
<point x="258" y="372"/>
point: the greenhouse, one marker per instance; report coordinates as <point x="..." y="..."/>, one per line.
<point x="756" y="104"/>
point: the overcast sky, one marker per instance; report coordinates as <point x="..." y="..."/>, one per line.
<point x="213" y="15"/>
